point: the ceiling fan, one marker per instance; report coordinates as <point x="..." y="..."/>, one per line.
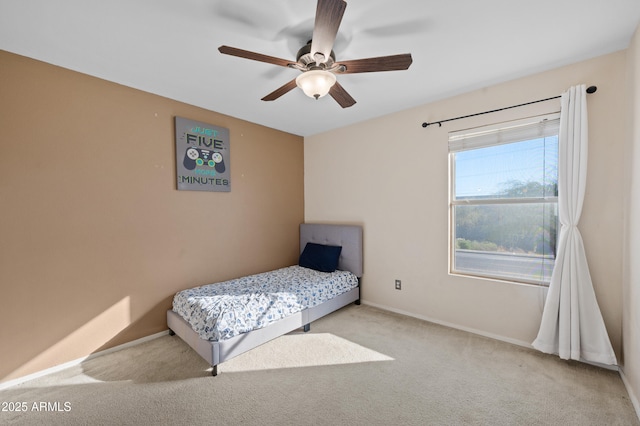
<point x="318" y="63"/>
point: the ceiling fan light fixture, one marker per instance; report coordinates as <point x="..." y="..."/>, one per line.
<point x="317" y="61"/>
<point x="316" y="83"/>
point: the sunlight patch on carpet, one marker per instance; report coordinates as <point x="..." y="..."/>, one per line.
<point x="302" y="350"/>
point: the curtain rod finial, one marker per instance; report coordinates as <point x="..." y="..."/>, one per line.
<point x="592" y="89"/>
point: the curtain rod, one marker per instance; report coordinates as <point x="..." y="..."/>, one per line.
<point x="590" y="89"/>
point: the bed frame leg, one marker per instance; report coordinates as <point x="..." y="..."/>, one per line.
<point x="306" y="327"/>
<point x="214" y="370"/>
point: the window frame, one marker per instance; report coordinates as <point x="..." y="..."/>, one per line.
<point x="483" y="131"/>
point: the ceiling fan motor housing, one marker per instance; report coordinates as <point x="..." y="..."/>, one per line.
<point x="309" y="61"/>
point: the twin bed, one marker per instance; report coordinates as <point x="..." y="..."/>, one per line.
<point x="220" y="321"/>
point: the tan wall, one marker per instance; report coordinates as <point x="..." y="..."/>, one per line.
<point x="631" y="283"/>
<point x="95" y="237"/>
<point x="391" y="175"/>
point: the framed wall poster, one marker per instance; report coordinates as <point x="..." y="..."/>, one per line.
<point x="202" y="156"/>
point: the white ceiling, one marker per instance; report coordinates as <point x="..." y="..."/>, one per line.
<point x="169" y="47"/>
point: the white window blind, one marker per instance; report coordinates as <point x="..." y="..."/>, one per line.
<point x="527" y="129"/>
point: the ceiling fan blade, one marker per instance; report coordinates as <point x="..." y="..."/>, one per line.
<point x="341" y="96"/>
<point x="280" y="91"/>
<point x="380" y="63"/>
<point x="328" y="17"/>
<point x="233" y="51"/>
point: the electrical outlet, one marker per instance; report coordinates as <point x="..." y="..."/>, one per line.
<point x="398" y="285"/>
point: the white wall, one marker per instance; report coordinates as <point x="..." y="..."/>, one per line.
<point x="631" y="283"/>
<point x="391" y="175"/>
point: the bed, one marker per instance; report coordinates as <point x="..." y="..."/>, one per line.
<point x="294" y="297"/>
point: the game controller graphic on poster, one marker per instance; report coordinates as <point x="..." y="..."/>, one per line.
<point x="202" y="156"/>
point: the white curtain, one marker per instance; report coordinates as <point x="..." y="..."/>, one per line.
<point x="572" y="325"/>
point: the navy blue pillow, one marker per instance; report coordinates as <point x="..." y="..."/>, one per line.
<point x="320" y="257"/>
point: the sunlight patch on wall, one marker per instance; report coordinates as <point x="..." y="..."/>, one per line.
<point x="87" y="338"/>
<point x="302" y="350"/>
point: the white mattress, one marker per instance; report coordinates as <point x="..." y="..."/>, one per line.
<point x="224" y="310"/>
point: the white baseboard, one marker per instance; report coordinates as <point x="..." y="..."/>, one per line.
<point x="60" y="367"/>
<point x="632" y="396"/>
<point x="451" y="325"/>
<point x="475" y="331"/>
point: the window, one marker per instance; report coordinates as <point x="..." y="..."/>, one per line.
<point x="504" y="200"/>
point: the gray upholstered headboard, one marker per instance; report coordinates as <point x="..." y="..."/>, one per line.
<point x="347" y="236"/>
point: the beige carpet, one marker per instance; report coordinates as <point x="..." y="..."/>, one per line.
<point x="358" y="366"/>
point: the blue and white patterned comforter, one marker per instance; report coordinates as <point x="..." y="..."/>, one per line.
<point x="223" y="310"/>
